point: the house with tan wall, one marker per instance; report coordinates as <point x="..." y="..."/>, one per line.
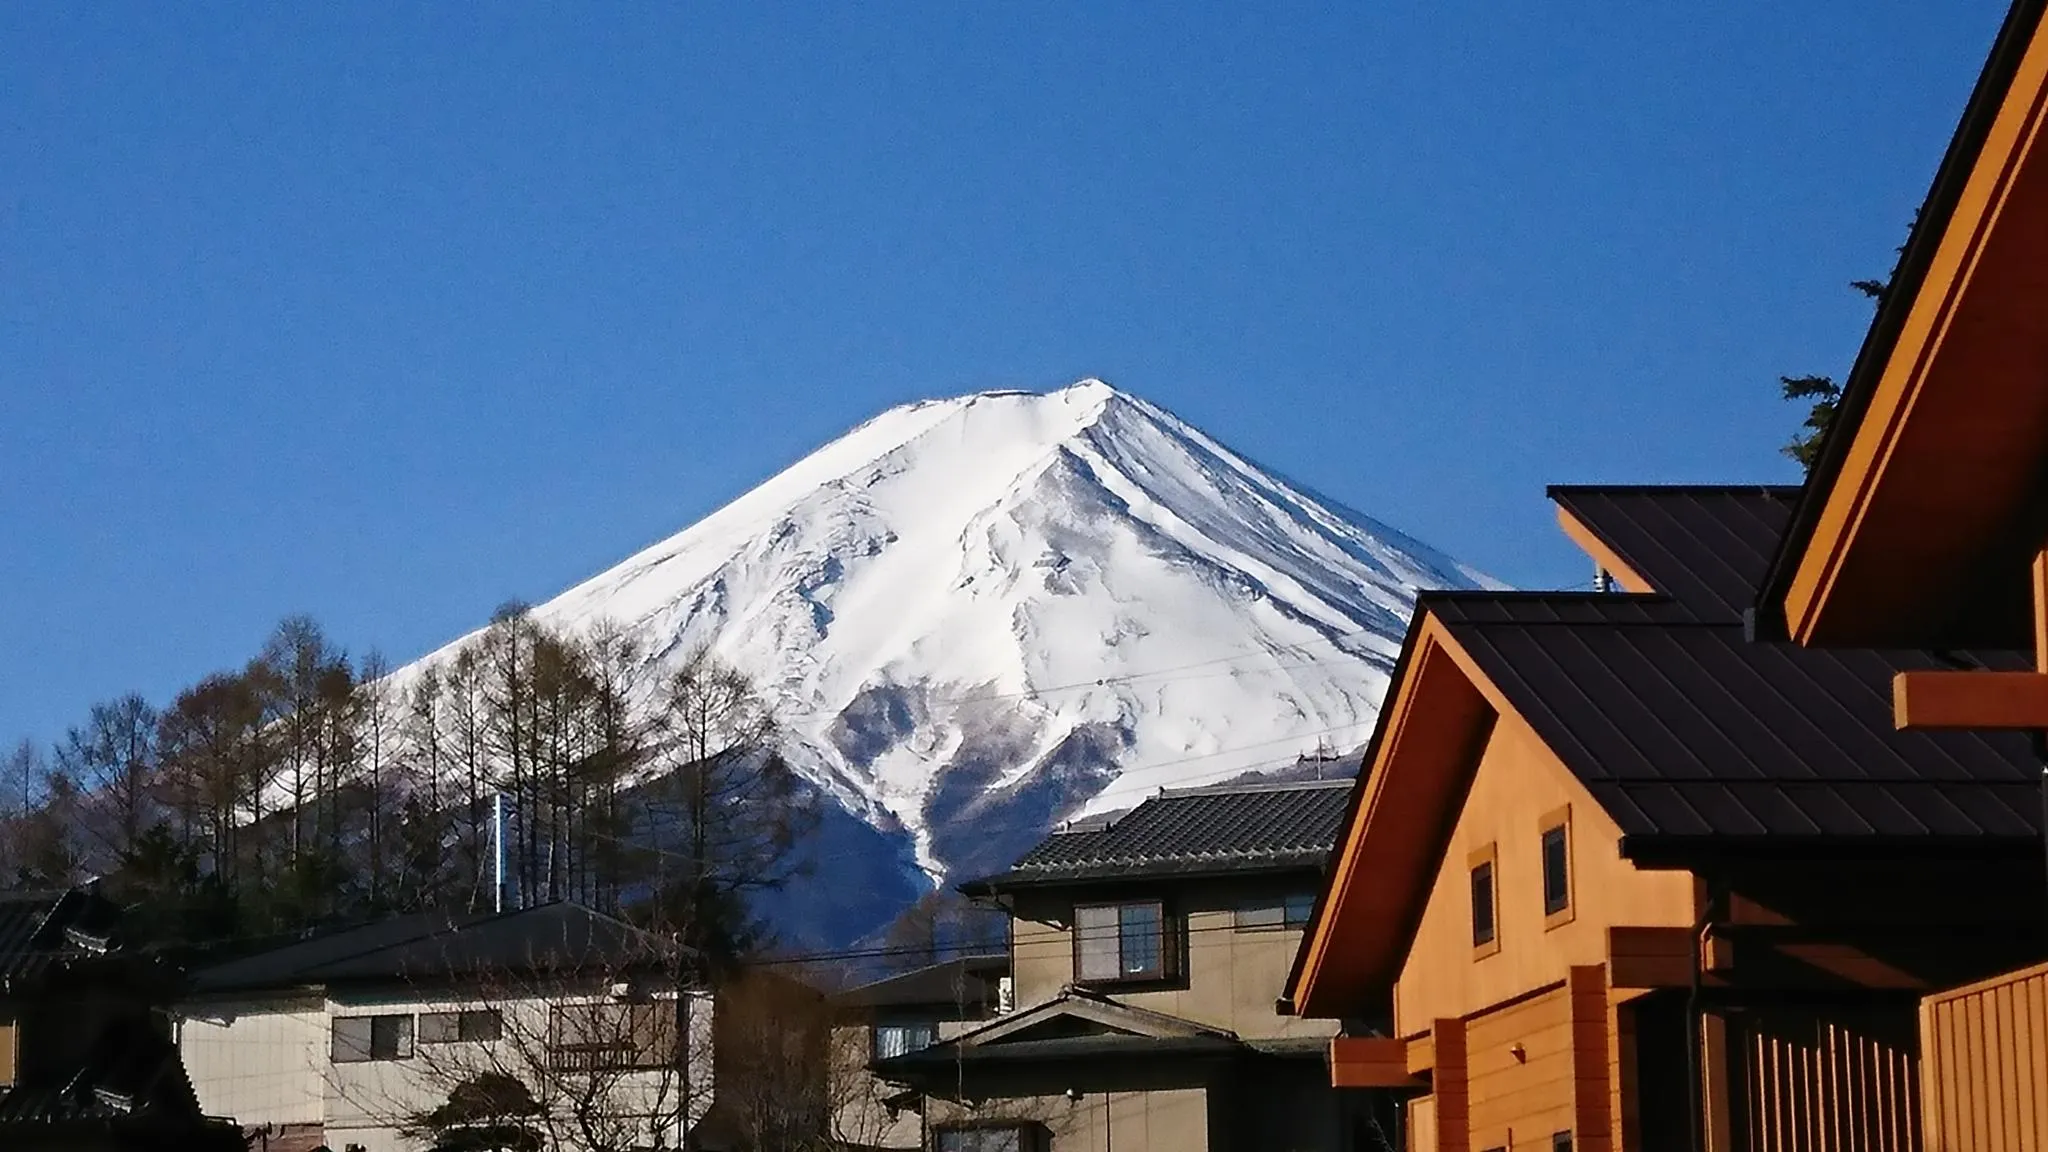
<point x="1148" y="952"/>
<point x="894" y="1016"/>
<point x="1636" y="877"/>
<point x="1925" y="524"/>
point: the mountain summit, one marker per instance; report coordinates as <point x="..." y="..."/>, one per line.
<point x="979" y="616"/>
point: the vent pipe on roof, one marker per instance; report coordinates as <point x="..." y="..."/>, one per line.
<point x="1602" y="582"/>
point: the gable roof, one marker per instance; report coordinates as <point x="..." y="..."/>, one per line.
<point x="1187" y="832"/>
<point x="1896" y="539"/>
<point x="558" y="937"/>
<point x="1075" y="1024"/>
<point x="1705" y="546"/>
<point x="1690" y="736"/>
<point x="964" y="981"/>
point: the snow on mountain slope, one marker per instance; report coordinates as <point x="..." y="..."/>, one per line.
<point x="981" y="615"/>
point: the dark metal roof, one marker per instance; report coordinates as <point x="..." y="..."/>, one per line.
<point x="964" y="982"/>
<point x="1936" y="212"/>
<point x="430" y="945"/>
<point x="1686" y="730"/>
<point x="1705" y="547"/>
<point x="1252" y="828"/>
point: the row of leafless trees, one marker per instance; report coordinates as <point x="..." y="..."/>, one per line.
<point x="307" y="786"/>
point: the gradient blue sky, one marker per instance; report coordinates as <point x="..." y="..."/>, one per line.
<point x="391" y="313"/>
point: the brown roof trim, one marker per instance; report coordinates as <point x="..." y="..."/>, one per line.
<point x="1936" y="212"/>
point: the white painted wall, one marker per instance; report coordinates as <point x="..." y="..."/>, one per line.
<point x="266" y="1061"/>
<point x="258" y="1061"/>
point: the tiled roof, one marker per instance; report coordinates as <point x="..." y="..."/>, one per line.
<point x="548" y="937"/>
<point x="1198" y="830"/>
<point x="1686" y="730"/>
<point x="967" y="981"/>
<point x="1705" y="547"/>
<point x="40" y="929"/>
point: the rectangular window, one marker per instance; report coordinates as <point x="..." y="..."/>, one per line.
<point x="902" y="1039"/>
<point x="1560" y="1142"/>
<point x="1115" y="942"/>
<point x="1290" y="911"/>
<point x="611" y="1035"/>
<point x="1557" y="886"/>
<point x="357" y="1039"/>
<point x="1006" y="1138"/>
<point x="458" y="1027"/>
<point x="1485" y="929"/>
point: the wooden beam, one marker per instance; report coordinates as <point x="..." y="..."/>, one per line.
<point x="2041" y="611"/>
<point x="1370" y="1062"/>
<point x="1970" y="700"/>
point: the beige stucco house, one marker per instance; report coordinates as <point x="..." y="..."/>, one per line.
<point x="1148" y="951"/>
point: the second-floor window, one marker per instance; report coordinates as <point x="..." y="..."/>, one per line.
<point x="902" y="1039"/>
<point x="1485" y="904"/>
<point x="457" y="1027"/>
<point x="1116" y="942"/>
<point x="358" y="1039"/>
<point x="1290" y="911"/>
<point x="991" y="1138"/>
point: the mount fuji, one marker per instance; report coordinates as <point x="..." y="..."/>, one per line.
<point x="980" y="616"/>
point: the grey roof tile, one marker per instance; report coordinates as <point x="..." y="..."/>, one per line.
<point x="1226" y="829"/>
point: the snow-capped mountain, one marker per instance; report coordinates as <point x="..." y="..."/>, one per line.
<point x="982" y="615"/>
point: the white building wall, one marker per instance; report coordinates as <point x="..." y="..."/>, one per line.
<point x="268" y="1062"/>
<point x="258" y="1061"/>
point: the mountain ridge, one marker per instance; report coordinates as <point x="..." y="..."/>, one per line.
<point x="979" y="615"/>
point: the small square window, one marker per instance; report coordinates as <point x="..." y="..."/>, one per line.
<point x="1482" y="904"/>
<point x="460" y="1027"/>
<point x="1560" y="1142"/>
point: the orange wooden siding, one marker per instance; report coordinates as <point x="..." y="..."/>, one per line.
<point x="1984" y="1065"/>
<point x="1518" y="779"/>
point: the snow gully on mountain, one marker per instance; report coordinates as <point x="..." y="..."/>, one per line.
<point x="979" y="616"/>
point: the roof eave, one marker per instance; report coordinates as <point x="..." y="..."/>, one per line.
<point x="1937" y="212"/>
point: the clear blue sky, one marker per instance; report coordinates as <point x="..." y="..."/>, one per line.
<point x="389" y="313"/>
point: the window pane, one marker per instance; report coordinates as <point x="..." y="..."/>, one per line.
<point x="351" y="1041"/>
<point x="1557" y="891"/>
<point x="390" y="1037"/>
<point x="440" y="1027"/>
<point x="1140" y="940"/>
<point x="981" y="1140"/>
<point x="1299" y="906"/>
<point x="1561" y="1142"/>
<point x="480" y="1025"/>
<point x="1261" y="916"/>
<point x="1097" y="928"/>
<point x="1482" y="904"/>
<point x="901" y="1039"/>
